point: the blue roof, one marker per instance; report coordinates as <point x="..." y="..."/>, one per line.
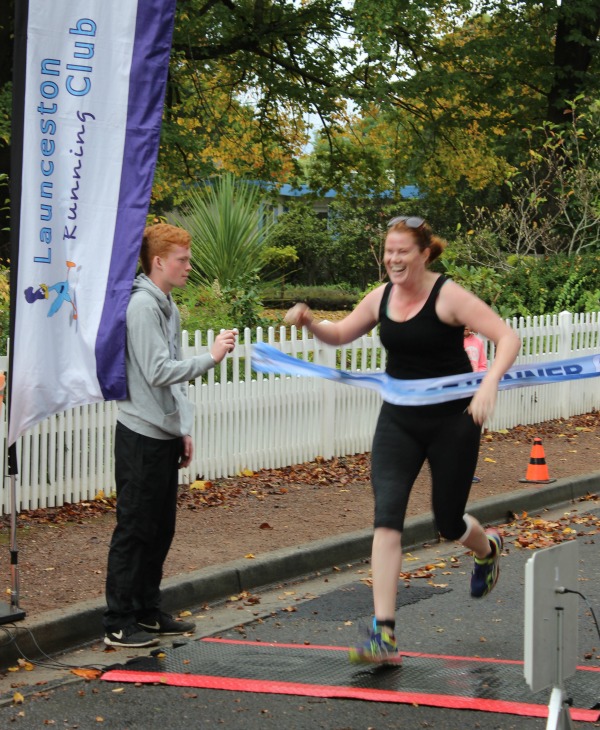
<point x="287" y="191"/>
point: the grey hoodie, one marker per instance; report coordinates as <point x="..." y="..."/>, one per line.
<point x="157" y="404"/>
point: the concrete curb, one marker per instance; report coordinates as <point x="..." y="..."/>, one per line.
<point x="65" y="629"/>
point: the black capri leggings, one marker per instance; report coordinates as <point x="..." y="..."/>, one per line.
<point x="405" y="437"/>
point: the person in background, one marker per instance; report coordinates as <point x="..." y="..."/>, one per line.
<point x="421" y="317"/>
<point x="475" y="350"/>
<point x="152" y="441"/>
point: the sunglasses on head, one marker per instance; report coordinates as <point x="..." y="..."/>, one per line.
<point x="409" y="221"/>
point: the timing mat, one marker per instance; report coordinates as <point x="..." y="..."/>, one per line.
<point x="456" y="682"/>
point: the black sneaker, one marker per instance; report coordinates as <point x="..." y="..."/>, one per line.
<point x="131" y="636"/>
<point x="166" y="625"/>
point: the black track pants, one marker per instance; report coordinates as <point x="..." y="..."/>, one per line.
<point x="407" y="436"/>
<point x="146" y="472"/>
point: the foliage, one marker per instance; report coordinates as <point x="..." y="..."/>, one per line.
<point x="244" y="300"/>
<point x="280" y="258"/>
<point x="202" y="138"/>
<point x="4" y="306"/>
<point x="211" y="308"/>
<point x="358" y="224"/>
<point x="242" y="77"/>
<point x="486" y="282"/>
<point x="329" y="298"/>
<point x="229" y="230"/>
<point x="344" y="249"/>
<point x="5" y="117"/>
<point x="433" y="93"/>
<point x="553" y="201"/>
<point x="444" y="90"/>
<point x="301" y="229"/>
<point x="202" y="308"/>
<point x="551" y="284"/>
<point x="531" y="285"/>
<point x="4" y="203"/>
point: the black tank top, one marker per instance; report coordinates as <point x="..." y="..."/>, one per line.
<point x="422" y="346"/>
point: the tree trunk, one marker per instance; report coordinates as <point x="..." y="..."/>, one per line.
<point x="576" y="45"/>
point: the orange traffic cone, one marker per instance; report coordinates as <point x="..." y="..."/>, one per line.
<point x="537" y="471"/>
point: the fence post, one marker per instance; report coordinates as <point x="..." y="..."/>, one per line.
<point x="565" y="349"/>
<point x="325" y="355"/>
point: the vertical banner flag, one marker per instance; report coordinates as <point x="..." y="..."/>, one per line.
<point x="89" y="98"/>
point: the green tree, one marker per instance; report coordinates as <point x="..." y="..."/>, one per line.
<point x="242" y="78"/>
<point x="445" y="87"/>
<point x="301" y="229"/>
<point x="553" y="200"/>
<point x="443" y="91"/>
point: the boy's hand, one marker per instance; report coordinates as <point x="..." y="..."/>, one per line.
<point x="224" y="343"/>
<point x="187" y="451"/>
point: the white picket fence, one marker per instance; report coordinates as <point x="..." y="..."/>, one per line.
<point x="247" y="420"/>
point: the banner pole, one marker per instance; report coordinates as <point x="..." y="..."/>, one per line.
<point x="12" y="612"/>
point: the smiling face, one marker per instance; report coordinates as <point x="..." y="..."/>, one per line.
<point x="403" y="259"/>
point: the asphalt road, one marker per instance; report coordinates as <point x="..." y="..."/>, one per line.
<point x="326" y="611"/>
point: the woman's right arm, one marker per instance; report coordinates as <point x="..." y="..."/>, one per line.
<point x="361" y="320"/>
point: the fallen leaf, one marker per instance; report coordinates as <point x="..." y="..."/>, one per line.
<point x="18" y="698"/>
<point x="87" y="673"/>
<point x="200" y="485"/>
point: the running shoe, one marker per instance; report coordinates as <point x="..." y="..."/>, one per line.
<point x="486" y="570"/>
<point x="380" y="648"/>
<point x="165" y="625"/>
<point x="132" y="637"/>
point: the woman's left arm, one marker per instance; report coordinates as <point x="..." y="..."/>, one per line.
<point x="457" y="306"/>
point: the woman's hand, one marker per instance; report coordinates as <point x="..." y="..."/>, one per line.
<point x="300" y="315"/>
<point x="484" y="400"/>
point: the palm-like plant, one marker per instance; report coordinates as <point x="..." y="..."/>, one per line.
<point x="229" y="229"/>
